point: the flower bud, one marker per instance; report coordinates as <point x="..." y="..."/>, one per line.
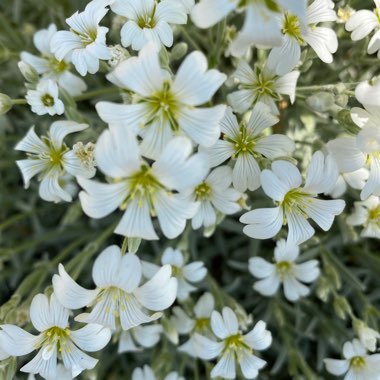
<point x="321" y="102"/>
<point x="342" y="307"/>
<point x="28" y="72"/>
<point x="367" y="336"/>
<point x="179" y="51"/>
<point x="5" y="104"/>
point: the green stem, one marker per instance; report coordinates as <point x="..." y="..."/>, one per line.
<point x="19" y="101"/>
<point x="325" y="87"/>
<point x="189" y="39"/>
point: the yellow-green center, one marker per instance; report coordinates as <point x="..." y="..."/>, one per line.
<point x="164" y="105"/>
<point x="357" y="362"/>
<point x="292" y="28"/>
<point x="47" y="100"/>
<point x="203" y="192"/>
<point x="202" y="324"/>
<point x="295" y="201"/>
<point x="56" y="336"/>
<point x="284" y="268"/>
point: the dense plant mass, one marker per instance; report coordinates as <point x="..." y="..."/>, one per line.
<point x="189" y="189"/>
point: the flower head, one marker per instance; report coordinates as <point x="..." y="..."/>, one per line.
<point x="44" y="99"/>
<point x="261" y="85"/>
<point x="295" y="204"/>
<point x="118" y="298"/>
<point x="233" y="346"/>
<point x="85" y="44"/>
<point x="52" y="159"/>
<point x="357" y="364"/>
<point x="55" y="341"/>
<point x="284" y="270"/>
<point x="163" y="107"/>
<point x="245" y="145"/>
<point x="149" y="21"/>
<point x="141" y="189"/>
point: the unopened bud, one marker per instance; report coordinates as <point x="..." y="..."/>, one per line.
<point x="321" y="102"/>
<point x="342" y="307"/>
<point x="28" y="72"/>
<point x="367" y="336"/>
<point x="5" y="104"/>
<point x="179" y="51"/>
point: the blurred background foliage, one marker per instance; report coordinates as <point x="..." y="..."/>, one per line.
<point x="36" y="235"/>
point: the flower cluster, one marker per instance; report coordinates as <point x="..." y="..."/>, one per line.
<point x="181" y="145"/>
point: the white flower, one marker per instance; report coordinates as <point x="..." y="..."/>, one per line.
<point x="139" y="337"/>
<point x="55" y="340"/>
<point x="284" y="271"/>
<point x="184" y="273"/>
<point x="356" y="152"/>
<point x="357" y="364"/>
<point x="51" y="68"/>
<point x="322" y="40"/>
<point x="199" y="322"/>
<point x="245" y="145"/>
<point x="368" y="337"/>
<point x="50" y="157"/>
<point x="62" y="374"/>
<point x="85" y="44"/>
<point x="367" y="215"/>
<point x="364" y="22"/>
<point x="368" y="92"/>
<point x="44" y="99"/>
<point x="162" y="106"/>
<point x="262" y="24"/>
<point x="261" y="85"/>
<point x="215" y="195"/>
<point x="295" y="204"/>
<point x="233" y="346"/>
<point x="143" y="191"/>
<point x="146" y="373"/>
<point x="118" y="296"/>
<point x="149" y="21"/>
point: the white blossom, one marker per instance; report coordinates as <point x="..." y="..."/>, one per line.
<point x="367" y="215"/>
<point x="85" y="44"/>
<point x="50" y="67"/>
<point x="297" y="33"/>
<point x="361" y="150"/>
<point x="262" y="24"/>
<point x="295" y="204"/>
<point x="362" y="23"/>
<point x="55" y="341"/>
<point x="285" y="270"/>
<point x="368" y="92"/>
<point x="261" y="85"/>
<point x="163" y="107"/>
<point x="141" y="189"/>
<point x="245" y="144"/>
<point x="233" y="346"/>
<point x="357" y="364"/>
<point x="51" y="159"/>
<point x="368" y="337"/>
<point x="149" y="21"/>
<point x="118" y="296"/>
<point x="44" y="99"/>
<point x="215" y="195"/>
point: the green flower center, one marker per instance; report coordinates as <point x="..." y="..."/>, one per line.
<point x="358" y="362"/>
<point x="47" y="100"/>
<point x="58" y="66"/>
<point x="236" y="343"/>
<point x="284" y="268"/>
<point x="292" y="27"/>
<point x="243" y="142"/>
<point x="295" y="201"/>
<point x="164" y="105"/>
<point x="203" y="192"/>
<point x="56" y="336"/>
<point x="202" y="324"/>
<point x="147" y="20"/>
<point x="374" y="214"/>
<point x="142" y="184"/>
<point x="88" y="38"/>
